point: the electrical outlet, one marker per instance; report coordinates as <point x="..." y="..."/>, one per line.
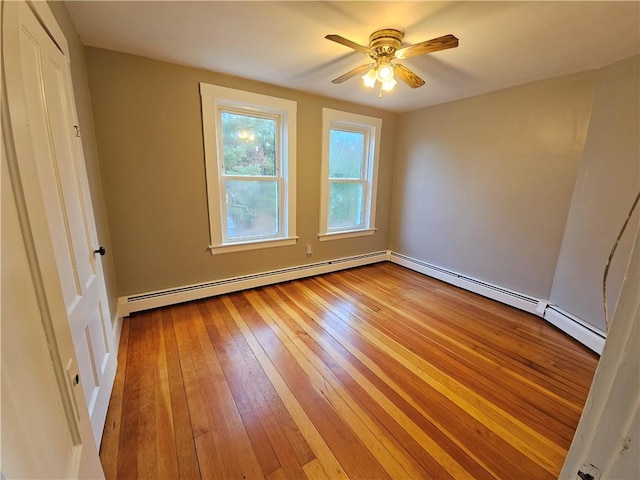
<point x="309" y="249"/>
<point x="588" y="472"/>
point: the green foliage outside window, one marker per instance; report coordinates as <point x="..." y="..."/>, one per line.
<point x="249" y="144"/>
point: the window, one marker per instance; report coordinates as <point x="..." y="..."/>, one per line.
<point x="250" y="147"/>
<point x="350" y="151"/>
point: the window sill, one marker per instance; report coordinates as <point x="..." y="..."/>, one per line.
<point x="252" y="245"/>
<point x="324" y="237"/>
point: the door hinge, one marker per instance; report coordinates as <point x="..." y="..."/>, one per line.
<point x="77" y="130"/>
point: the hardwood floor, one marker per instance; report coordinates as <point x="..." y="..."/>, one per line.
<point x="374" y="372"/>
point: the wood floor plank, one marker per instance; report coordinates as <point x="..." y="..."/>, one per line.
<point x="314" y="471"/>
<point x="450" y="346"/>
<point x="128" y="435"/>
<point x="111" y="435"/>
<point x="148" y="434"/>
<point x="372" y="372"/>
<point x="312" y="436"/>
<point x="484" y="378"/>
<point x="196" y="397"/>
<point x="167" y="458"/>
<point x="442" y="308"/>
<point x="259" y="380"/>
<point x="365" y="394"/>
<point x="376" y="439"/>
<point x="495" y="420"/>
<point x="431" y="433"/>
<point x="357" y="461"/>
<point x="262" y="428"/>
<point x="186" y="456"/>
<point x="222" y="424"/>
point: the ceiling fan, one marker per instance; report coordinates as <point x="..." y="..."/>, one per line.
<point x="385" y="47"/>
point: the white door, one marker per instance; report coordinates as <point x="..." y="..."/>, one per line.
<point x="50" y="111"/>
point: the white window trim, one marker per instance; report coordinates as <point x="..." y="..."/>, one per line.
<point x="213" y="97"/>
<point x="323" y="237"/>
<point x="373" y="128"/>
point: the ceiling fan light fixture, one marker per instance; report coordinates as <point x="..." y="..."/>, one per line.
<point x="389" y="84"/>
<point x="385" y="73"/>
<point x="369" y="78"/>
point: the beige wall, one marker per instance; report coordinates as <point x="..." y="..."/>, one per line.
<point x="149" y="131"/>
<point x="85" y="119"/>
<point x="483" y="185"/>
<point x="608" y="181"/>
<point x="526" y="188"/>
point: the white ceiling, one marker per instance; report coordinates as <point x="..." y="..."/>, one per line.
<point x="501" y="43"/>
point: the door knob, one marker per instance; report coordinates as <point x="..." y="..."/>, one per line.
<point x="101" y="251"/>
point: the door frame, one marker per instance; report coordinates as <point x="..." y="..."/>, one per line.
<point x="21" y="160"/>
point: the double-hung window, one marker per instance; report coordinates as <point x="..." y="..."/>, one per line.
<point x="350" y="151"/>
<point x="250" y="151"/>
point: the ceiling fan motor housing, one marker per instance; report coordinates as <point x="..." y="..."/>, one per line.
<point x="386" y="41"/>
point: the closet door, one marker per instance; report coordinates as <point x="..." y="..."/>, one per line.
<point x="42" y="105"/>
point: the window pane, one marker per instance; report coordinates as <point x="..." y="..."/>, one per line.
<point x="345" y="154"/>
<point x="345" y="205"/>
<point x="252" y="208"/>
<point x="248" y="144"/>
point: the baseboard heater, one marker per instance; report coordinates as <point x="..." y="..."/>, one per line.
<point x="586" y="334"/>
<point x="172" y="296"/>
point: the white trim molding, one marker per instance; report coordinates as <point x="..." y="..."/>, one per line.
<point x="256" y="245"/>
<point x="162" y="298"/>
<point x="323" y="237"/>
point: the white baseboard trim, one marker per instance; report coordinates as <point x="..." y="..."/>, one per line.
<point x="495" y="292"/>
<point x="577" y="328"/>
<point x="573" y="326"/>
<point x="162" y="298"/>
